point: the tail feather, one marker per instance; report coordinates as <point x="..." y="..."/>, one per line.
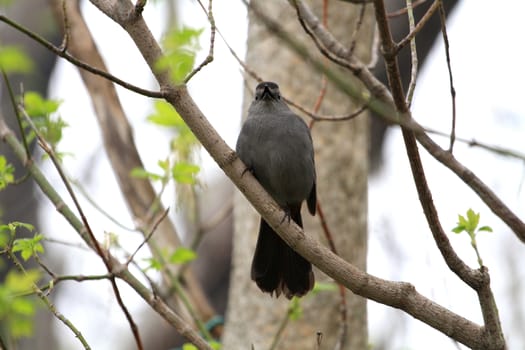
<point x="277" y="268"/>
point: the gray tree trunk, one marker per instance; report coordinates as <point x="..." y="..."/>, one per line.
<point x="342" y="166"/>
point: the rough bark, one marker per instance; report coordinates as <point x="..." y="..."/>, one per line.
<point x="341" y="157"/>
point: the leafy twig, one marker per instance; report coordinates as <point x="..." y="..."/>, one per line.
<point x="122" y="272"/>
<point x="94" y="242"/>
<point x="50" y="305"/>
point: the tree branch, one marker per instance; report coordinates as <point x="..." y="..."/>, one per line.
<point x="378" y="99"/>
<point x="399" y="295"/>
<point x="61" y="52"/>
<point x="479" y="280"/>
<point x="118" y="269"/>
<point x="118" y="140"/>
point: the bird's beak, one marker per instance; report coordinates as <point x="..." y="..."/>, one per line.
<point x="266" y="91"/>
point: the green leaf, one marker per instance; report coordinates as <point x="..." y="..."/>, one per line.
<point x="13" y="226"/>
<point x="215" y="345"/>
<point x="295" y="311"/>
<point x="180" y="47"/>
<point x="324" y="287"/>
<point x="35" y="105"/>
<point x="14" y="60"/>
<point x="189" y="346"/>
<point x="185" y="173"/>
<point x="458" y="229"/>
<point x="4" y="239"/>
<point x="140" y="173"/>
<point x="462" y="221"/>
<point x="182" y="255"/>
<point x="28" y="246"/>
<point x="23" y="306"/>
<point x="21" y="327"/>
<point x="6" y="3"/>
<point x="485" y="228"/>
<point x="18" y="283"/>
<point x="153" y="264"/>
<point x="164" y="164"/>
<point x="7" y="172"/>
<point x="16" y="309"/>
<point x="165" y="115"/>
<point x="473" y="219"/>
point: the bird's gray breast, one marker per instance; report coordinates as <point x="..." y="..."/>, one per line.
<point x="281" y="156"/>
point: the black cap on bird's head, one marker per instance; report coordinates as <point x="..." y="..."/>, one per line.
<point x="267" y="90"/>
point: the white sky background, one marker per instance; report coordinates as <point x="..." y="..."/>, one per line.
<point x="487" y="58"/>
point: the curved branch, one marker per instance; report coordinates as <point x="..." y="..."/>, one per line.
<point x="479" y="280"/>
<point x="395" y="294"/>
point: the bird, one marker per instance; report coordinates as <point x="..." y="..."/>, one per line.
<point x="276" y="146"/>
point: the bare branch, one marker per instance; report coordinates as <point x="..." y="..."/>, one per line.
<point x="443" y="19"/>
<point x="413" y="56"/>
<point x="59" y="51"/>
<point x="400" y="295"/>
<point x="413" y="32"/>
<point x="477" y="279"/>
<point x="379" y="100"/>
<point x="213" y="28"/>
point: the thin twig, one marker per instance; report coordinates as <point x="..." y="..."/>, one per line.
<point x="309" y="113"/>
<point x="342" y="292"/>
<point x="281" y="328"/>
<point x="98" y="248"/>
<point x="413" y="56"/>
<point x="65" y="39"/>
<point x="479" y="280"/>
<point x="357" y="27"/>
<point x="433" y="8"/>
<point x="405" y="9"/>
<point x="213" y="28"/>
<point x="474" y="143"/>
<point x="67" y="244"/>
<point x="59" y="52"/>
<point x="50" y="305"/>
<point x="148" y="236"/>
<point x="123" y="273"/>
<point x="95" y="205"/>
<point x="379" y="100"/>
<point x="326" y="230"/>
<point x="17" y="114"/>
<point x="443" y="19"/>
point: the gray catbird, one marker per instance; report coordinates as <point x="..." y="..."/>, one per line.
<point x="276" y="146"/>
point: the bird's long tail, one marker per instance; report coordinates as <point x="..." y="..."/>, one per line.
<point x="277" y="268"/>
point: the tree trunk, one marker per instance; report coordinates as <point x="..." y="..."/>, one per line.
<point x="341" y="163"/>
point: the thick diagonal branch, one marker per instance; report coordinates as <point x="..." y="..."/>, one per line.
<point x="395" y="294"/>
